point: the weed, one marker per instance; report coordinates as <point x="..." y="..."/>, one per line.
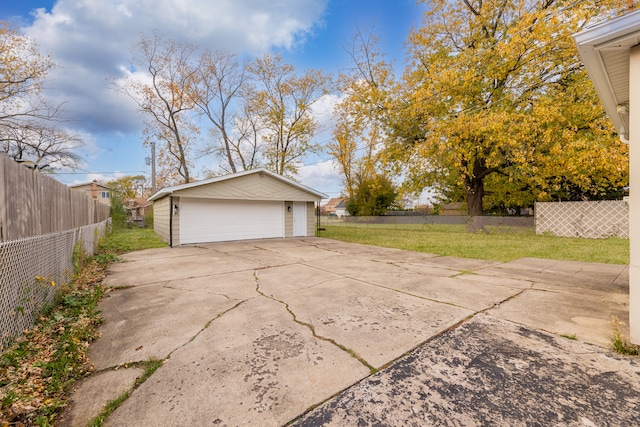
<point x="569" y="336"/>
<point x="620" y="342"/>
<point x="150" y="367"/>
<point x="79" y="256"/>
<point x="130" y="239"/>
<point x="108" y="409"/>
<point x="106" y="258"/>
<point x="37" y="370"/>
<point x="40" y="366"/>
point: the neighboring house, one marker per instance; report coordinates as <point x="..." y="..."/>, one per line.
<point x="341" y="209"/>
<point x="97" y="191"/>
<point x="456" y="208"/>
<point x="611" y="54"/>
<point x="137" y="208"/>
<point x="330" y="207"/>
<point x="254" y="204"/>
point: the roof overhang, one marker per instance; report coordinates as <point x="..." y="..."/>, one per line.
<point x="170" y="190"/>
<point x="604" y="49"/>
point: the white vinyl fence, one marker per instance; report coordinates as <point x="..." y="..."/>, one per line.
<point x="33" y="269"/>
<point x="593" y="220"/>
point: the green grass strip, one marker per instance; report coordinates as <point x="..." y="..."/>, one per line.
<point x="500" y="244"/>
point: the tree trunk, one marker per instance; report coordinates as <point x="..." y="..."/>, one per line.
<point x="474" y="185"/>
<point x="475" y="195"/>
<point x="227" y="148"/>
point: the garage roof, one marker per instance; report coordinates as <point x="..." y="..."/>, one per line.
<point x="170" y="190"/>
<point x="604" y="49"/>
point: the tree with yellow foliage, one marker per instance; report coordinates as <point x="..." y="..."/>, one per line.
<point x="30" y="130"/>
<point x="281" y="100"/>
<point x="23" y="70"/>
<point x="495" y="95"/>
<point x="361" y="117"/>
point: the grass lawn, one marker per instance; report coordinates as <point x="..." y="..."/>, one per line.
<point x="497" y="244"/>
<point x="130" y="239"/>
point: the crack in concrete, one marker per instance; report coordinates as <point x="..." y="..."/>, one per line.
<point x="194" y="290"/>
<point x="141" y="363"/>
<point x="312" y="328"/>
<point x="507" y="299"/>
<point x="346" y="276"/>
<point x="206" y="325"/>
<point x="618" y="276"/>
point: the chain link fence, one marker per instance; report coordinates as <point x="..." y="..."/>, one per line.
<point x="392" y="220"/>
<point x="32" y="270"/>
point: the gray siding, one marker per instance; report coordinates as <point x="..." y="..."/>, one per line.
<point x="311" y="219"/>
<point x="288" y="219"/>
<point x="176" y="221"/>
<point x="161" y="218"/>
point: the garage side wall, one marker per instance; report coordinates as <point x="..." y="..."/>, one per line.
<point x="175" y="237"/>
<point x="161" y="218"/>
<point x="288" y="219"/>
<point x="311" y="219"/>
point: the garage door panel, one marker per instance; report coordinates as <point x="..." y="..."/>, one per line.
<point x="205" y="220"/>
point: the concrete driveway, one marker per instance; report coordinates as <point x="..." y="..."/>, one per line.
<point x="262" y="332"/>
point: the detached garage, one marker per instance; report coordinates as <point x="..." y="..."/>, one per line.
<point x="255" y="204"/>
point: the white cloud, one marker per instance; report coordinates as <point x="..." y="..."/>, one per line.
<point x="323" y="177"/>
<point x="104" y="178"/>
<point x="323" y="111"/>
<point x="92" y="39"/>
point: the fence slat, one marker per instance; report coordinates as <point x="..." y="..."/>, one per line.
<point x="32" y="204"/>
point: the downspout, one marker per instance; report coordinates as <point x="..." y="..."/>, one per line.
<point x="317" y="207"/>
<point x="170" y="221"/>
<point x="623" y="111"/>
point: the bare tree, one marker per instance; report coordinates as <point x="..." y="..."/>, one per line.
<point x="220" y="80"/>
<point x="166" y="99"/>
<point x="41" y="146"/>
<point x="247" y="143"/>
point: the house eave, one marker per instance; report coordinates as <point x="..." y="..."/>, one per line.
<point x="604" y="49"/>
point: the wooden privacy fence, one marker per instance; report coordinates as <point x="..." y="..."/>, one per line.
<point x="33" y="204"/>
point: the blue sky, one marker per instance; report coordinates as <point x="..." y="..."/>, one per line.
<point x="91" y="39"/>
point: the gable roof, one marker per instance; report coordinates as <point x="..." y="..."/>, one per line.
<point x="170" y="190"/>
<point x="341" y="205"/>
<point x="82" y="184"/>
<point x="333" y="202"/>
<point x="138" y="202"/>
<point x="604" y="49"/>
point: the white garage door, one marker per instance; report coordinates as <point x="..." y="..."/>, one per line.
<point x="205" y="220"/>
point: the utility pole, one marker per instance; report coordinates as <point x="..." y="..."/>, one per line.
<point x="152" y="160"/>
<point x="153" y="168"/>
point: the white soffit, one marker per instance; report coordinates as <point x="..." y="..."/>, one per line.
<point x="604" y="49"/>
